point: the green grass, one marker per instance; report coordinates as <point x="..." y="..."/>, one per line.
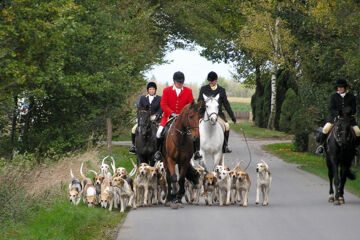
<point x="61" y="220"/>
<point x="308" y="162"/>
<point x="240" y="107"/>
<point x="255" y="132"/>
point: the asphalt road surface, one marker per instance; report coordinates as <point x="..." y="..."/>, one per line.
<point x="298" y="209"/>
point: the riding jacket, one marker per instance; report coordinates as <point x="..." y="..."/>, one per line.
<point x="154" y="105"/>
<point x="171" y="103"/>
<point x="222" y="101"/>
<point x="338" y="104"/>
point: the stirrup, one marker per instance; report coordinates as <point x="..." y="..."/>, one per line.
<point x="132" y="150"/>
<point x="157" y="156"/>
<point x="319" y="150"/>
<point x="197" y="155"/>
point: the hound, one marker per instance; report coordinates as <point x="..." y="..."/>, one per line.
<point x="125" y="193"/>
<point x="210" y="185"/>
<point x="263" y="182"/>
<point x="75" y="189"/>
<point x="90" y="197"/>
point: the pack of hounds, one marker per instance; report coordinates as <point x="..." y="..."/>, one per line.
<point x="146" y="186"/>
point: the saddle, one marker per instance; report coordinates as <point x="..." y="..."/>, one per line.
<point x="167" y="127"/>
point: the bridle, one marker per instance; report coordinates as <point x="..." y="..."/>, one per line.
<point x="147" y="121"/>
<point x="187" y="131"/>
<point x="213" y="113"/>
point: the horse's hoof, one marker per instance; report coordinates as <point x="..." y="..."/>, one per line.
<point x="331" y="199"/>
<point x="341" y="200"/>
<point x="174" y="205"/>
<point x="337" y="202"/>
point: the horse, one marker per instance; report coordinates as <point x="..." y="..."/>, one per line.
<point x="211" y="134"/>
<point x="179" y="149"/>
<point x="145" y="137"/>
<point x="340" y="152"/>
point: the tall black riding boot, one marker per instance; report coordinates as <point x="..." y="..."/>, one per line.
<point x="197" y="154"/>
<point x="320" y="138"/>
<point x="157" y="155"/>
<point x="226" y="141"/>
<point x="132" y="149"/>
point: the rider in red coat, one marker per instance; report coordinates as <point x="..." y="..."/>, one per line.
<point x="173" y="100"/>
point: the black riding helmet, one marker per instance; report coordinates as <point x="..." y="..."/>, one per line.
<point x="212" y="76"/>
<point x="151" y="84"/>
<point x="341" y="83"/>
<point x="179" y="77"/>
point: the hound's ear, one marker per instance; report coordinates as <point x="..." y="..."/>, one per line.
<point x="110" y="183"/>
<point x="215" y="179"/>
<point x="265" y="163"/>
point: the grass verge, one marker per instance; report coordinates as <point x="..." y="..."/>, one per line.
<point x="255" y="132"/>
<point x="240" y="107"/>
<point x="56" y="218"/>
<point x="308" y="162"/>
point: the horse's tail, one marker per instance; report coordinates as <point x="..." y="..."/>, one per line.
<point x="192" y="175"/>
<point x="350" y="175"/>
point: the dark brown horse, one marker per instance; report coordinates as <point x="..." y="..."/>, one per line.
<point x="340" y="153"/>
<point x="179" y="149"/>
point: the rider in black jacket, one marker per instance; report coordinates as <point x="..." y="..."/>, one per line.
<point x="338" y="102"/>
<point x="152" y="100"/>
<point x="212" y="89"/>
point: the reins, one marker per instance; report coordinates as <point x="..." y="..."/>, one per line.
<point x="182" y="133"/>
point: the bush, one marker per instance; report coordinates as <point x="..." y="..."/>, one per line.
<point x="288" y="109"/>
<point x="16" y="204"/>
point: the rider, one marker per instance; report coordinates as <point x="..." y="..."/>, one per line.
<point x="173" y="100"/>
<point x="338" y="101"/>
<point x="212" y="89"/>
<point x="152" y="100"/>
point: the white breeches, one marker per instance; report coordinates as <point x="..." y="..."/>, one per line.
<point x="133" y="130"/>
<point x="328" y="126"/>
<point x="158" y="133"/>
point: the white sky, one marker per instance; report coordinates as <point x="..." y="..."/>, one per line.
<point x="194" y="67"/>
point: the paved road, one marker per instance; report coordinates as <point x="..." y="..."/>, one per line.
<point x="298" y="209"/>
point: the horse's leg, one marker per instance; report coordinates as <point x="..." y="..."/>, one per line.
<point x="343" y="173"/>
<point x="170" y="196"/>
<point x="335" y="167"/>
<point x="182" y="172"/>
<point x="331" y="177"/>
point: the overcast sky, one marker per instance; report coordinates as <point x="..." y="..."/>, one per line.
<point x="194" y="67"/>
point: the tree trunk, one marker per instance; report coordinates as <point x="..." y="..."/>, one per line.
<point x="271" y="122"/>
<point x="109" y="134"/>
<point x="13" y="127"/>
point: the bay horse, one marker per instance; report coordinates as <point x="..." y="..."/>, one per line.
<point x="340" y="152"/>
<point x="211" y="134"/>
<point x="145" y="137"/>
<point x="179" y="149"/>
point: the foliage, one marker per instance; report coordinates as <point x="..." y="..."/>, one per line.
<point x="288" y="109"/>
<point x="76" y="63"/>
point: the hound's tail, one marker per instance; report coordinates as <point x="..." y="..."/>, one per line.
<point x="81" y="171"/>
<point x="71" y="173"/>
<point x="192" y="175"/>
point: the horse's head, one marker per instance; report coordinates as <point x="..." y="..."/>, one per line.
<point x="190" y="117"/>
<point x="342" y="131"/>
<point x="212" y="108"/>
<point x="143" y="117"/>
